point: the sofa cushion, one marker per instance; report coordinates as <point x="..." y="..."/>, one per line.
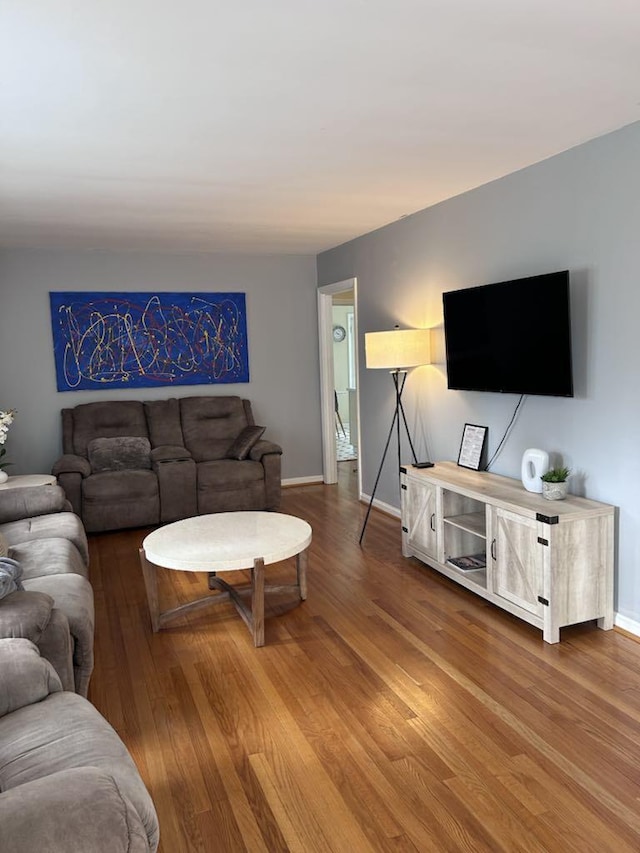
<point x="105" y="419"/>
<point x="54" y="556"/>
<point x="29" y="501"/>
<point x="163" y="421"/>
<point x="118" y="454"/>
<point x="242" y="445"/>
<point x="120" y="486"/>
<point x="119" y="499"/>
<point x="210" y="424"/>
<point x="4" y="546"/>
<point x="59" y="525"/>
<point x="227" y="475"/>
<point x="75" y="811"/>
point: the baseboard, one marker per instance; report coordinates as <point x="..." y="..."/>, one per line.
<point x="381" y="505"/>
<point x="626" y="624"/>
<point x="302" y="481"/>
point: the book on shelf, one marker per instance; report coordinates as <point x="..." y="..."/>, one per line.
<point x="469" y="563"/>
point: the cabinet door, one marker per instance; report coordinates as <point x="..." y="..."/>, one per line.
<point x="517" y="560"/>
<point x="419" y="516"/>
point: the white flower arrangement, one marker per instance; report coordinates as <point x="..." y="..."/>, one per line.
<point x="6" y="419"/>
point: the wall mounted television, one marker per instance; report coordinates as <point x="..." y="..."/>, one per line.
<point x="511" y="336"/>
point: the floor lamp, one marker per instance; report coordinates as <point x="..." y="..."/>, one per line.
<point x="395" y="351"/>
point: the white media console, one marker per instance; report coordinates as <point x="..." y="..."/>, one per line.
<point x="547" y="562"/>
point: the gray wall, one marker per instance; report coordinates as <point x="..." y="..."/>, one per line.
<point x="282" y="334"/>
<point x="579" y="210"/>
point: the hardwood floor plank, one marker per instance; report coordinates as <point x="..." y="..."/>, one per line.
<point x="390" y="711"/>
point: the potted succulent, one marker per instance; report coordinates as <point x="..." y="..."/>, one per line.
<point x="554" y="483"/>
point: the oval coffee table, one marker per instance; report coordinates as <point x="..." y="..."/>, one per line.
<point x="226" y="542"/>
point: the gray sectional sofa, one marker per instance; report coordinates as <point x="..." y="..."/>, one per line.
<point x="67" y="781"/>
<point x="134" y="464"/>
<point x="55" y="610"/>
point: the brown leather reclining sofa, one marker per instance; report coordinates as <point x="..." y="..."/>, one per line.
<point x="135" y="464"/>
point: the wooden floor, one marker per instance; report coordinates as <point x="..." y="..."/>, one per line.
<point x="391" y="711"/>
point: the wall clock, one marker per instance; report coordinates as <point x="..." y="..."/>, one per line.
<point x="339" y="333"/>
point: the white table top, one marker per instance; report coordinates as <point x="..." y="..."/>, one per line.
<point x="20" y="481"/>
<point x="226" y="541"/>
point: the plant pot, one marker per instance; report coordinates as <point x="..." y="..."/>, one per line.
<point x="554" y="491"/>
<point x="3" y="476"/>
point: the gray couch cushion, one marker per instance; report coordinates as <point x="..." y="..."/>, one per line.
<point x="228" y="475"/>
<point x="163" y="420"/>
<point x="65" y="731"/>
<point x="120" y="486"/>
<point x="53" y="556"/>
<point x="116" y="499"/>
<point x="210" y="424"/>
<point x="75" y="811"/>
<point x="63" y="525"/>
<point x="29" y="501"/>
<point x="104" y="419"/>
<point x="118" y="454"/>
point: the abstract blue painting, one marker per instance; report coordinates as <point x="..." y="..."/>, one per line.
<point x="128" y="340"/>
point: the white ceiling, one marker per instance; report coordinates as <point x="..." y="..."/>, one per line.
<point x="288" y="125"/>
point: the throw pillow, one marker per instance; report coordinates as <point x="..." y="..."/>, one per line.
<point x="241" y="447"/>
<point x="119" y="453"/>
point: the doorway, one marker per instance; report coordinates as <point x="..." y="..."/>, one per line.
<point x="344" y="376"/>
<point x="338" y="337"/>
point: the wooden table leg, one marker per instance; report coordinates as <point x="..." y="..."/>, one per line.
<point x="257" y="602"/>
<point x="151" y="585"/>
<point x="301" y="567"/>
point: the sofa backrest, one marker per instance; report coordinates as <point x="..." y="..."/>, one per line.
<point x="107" y="419"/>
<point x="163" y="420"/>
<point x="205" y="425"/>
<point x="210" y="424"/>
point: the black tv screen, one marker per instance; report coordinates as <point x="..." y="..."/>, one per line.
<point x="512" y="336"/>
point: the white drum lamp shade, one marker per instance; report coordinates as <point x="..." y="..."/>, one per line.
<point x="397" y="349"/>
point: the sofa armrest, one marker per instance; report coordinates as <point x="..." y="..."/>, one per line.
<point x="169" y="453"/>
<point x="25" y="614"/>
<point x="262" y="448"/>
<point x="29" y="501"/>
<point x="71" y="464"/>
<point x="71" y="811"/>
<point x="25" y="677"/>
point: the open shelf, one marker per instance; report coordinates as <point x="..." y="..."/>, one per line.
<point x="477" y="576"/>
<point x="471" y="522"/>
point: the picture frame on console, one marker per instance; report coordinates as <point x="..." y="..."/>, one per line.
<point x="472" y="446"/>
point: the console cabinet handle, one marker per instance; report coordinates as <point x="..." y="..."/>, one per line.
<point x="433" y="521"/>
<point x="493" y="549"/>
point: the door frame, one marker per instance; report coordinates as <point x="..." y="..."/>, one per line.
<point x="327" y="406"/>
